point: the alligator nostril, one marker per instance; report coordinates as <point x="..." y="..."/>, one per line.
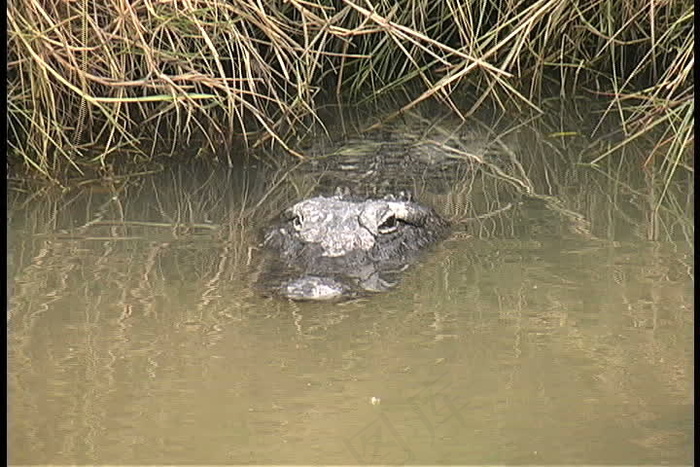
<point x="389" y="225"/>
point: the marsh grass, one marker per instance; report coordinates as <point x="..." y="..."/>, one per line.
<point x="89" y="80"/>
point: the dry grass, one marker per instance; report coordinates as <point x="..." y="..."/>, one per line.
<point x="87" y="80"/>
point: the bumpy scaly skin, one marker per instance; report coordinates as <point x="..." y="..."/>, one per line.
<point x="329" y="248"/>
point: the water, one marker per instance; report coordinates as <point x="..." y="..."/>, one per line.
<point x="137" y="336"/>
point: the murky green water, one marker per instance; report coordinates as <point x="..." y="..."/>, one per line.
<point x="136" y="335"/>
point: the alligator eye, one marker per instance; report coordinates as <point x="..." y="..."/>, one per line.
<point x="297" y="223"/>
<point x="389" y="225"/>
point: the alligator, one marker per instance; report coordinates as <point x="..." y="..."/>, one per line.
<point x="356" y="241"/>
<point x="338" y="247"/>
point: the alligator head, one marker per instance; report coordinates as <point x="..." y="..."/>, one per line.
<point x="334" y="247"/>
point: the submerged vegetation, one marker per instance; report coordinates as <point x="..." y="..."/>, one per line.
<point x="91" y="82"/>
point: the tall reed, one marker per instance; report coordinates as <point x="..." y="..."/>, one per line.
<point x="88" y="79"/>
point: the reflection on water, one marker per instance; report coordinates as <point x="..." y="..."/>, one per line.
<point x="550" y="332"/>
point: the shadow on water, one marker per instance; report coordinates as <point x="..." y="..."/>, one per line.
<point x="553" y="326"/>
